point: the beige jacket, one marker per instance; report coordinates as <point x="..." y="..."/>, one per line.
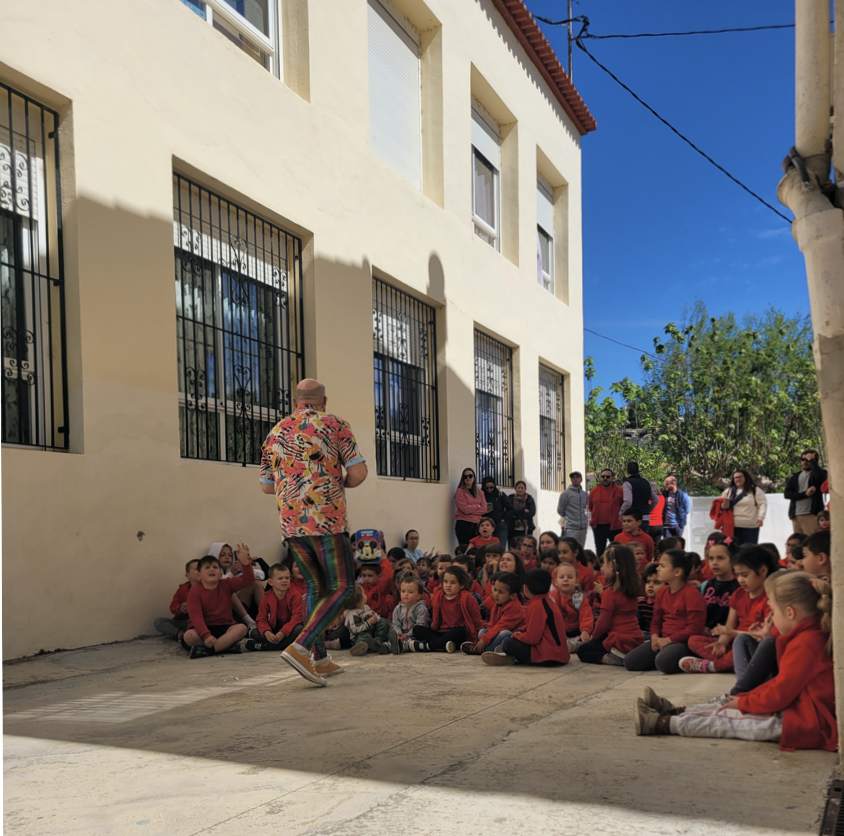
<point x="746" y="512"/>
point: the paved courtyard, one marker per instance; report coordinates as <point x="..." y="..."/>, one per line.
<point x="135" y="739"/>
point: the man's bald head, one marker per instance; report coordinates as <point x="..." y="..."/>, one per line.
<point x="310" y="392"/>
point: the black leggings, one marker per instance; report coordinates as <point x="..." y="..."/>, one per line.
<point x="343" y="634"/>
<point x="465" y="531"/>
<point x="437" y="640"/>
<point x="761" y="668"/>
<point x="592" y="652"/>
<point x="667" y="660"/>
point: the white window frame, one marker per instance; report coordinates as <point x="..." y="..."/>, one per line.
<point x="486" y="140"/>
<point x="481" y="227"/>
<point x="544" y="191"/>
<point x="268" y="44"/>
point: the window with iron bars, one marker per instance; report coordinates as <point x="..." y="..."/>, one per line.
<point x="552" y="430"/>
<point x="35" y="406"/>
<point x="239" y="325"/>
<point x="494" y="434"/>
<point x="404" y="342"/>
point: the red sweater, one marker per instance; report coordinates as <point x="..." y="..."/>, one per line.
<point x="585" y="578"/>
<point x="283" y="614"/>
<point x="604" y="505"/>
<point x="644" y="539"/>
<point x="378" y="594"/>
<point x="680" y="615"/>
<point x="299" y="586"/>
<point x="470" y="613"/>
<point x="540" y="614"/>
<point x="214" y="606"/>
<point x="618" y="622"/>
<point x="509" y="616"/>
<point x="180" y="597"/>
<point x="749" y="610"/>
<point x="576" y="620"/>
<point x="479" y="541"/>
<point x="804" y="689"/>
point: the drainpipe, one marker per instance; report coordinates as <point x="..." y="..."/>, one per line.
<point x="818" y="228"/>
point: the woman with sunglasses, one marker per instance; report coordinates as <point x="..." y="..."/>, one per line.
<point x="470" y="506"/>
<point x="748" y="504"/>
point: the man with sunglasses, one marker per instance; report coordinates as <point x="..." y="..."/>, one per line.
<point x="803" y="490"/>
<point x="604" y="505"/>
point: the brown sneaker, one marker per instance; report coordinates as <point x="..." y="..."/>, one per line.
<point x="302" y="663"/>
<point x="660" y="704"/>
<point x="492" y="658"/>
<point x="359" y="649"/>
<point x="648" y="721"/>
<point x="325" y="667"/>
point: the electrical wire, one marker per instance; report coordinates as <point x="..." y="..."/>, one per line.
<point x="699" y="32"/>
<point x="579" y="42"/>
<point x="605" y="337"/>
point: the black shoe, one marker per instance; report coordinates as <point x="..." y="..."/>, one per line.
<point x="393" y="642"/>
<point x="235" y="648"/>
<point x="255" y="635"/>
<point x="198" y="651"/>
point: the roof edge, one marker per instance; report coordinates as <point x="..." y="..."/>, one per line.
<point x="518" y="17"/>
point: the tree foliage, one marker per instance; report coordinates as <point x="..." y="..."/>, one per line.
<point x="718" y="396"/>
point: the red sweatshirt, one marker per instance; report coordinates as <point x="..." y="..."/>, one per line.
<point x="585" y="577"/>
<point x="680" y="615"/>
<point x="180" y="597"/>
<point x="645" y="539"/>
<point x="540" y="615"/>
<point x="618" y="622"/>
<point x="379" y="594"/>
<point x="604" y="505"/>
<point x="804" y="689"/>
<point x="283" y="614"/>
<point x="749" y="610"/>
<point x="509" y="616"/>
<point x="470" y="613"/>
<point x="577" y="621"/>
<point x="300" y="586"/>
<point x="214" y="606"/>
<point x="479" y="541"/>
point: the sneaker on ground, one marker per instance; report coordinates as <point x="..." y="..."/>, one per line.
<point x="494" y="658"/>
<point x="721" y="700"/>
<point x="468" y="648"/>
<point x="573" y="644"/>
<point x="333" y="644"/>
<point x="450" y="647"/>
<point x="255" y="635"/>
<point x="235" y="648"/>
<point x="198" y="651"/>
<point x="384" y="648"/>
<point x="660" y="704"/>
<point x="325" y="667"/>
<point x="645" y="718"/>
<point x="691" y="664"/>
<point x="393" y="642"/>
<point x="614" y="659"/>
<point x="419" y="647"/>
<point x="301" y="662"/>
<point x="616" y="652"/>
<point x="251" y="644"/>
<point x="360" y="648"/>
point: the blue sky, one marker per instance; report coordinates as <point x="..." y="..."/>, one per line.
<point x="661" y="226"/>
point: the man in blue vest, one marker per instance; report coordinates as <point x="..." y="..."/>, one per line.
<point x="639" y="493"/>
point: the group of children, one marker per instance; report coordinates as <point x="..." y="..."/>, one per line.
<point x="640" y="607"/>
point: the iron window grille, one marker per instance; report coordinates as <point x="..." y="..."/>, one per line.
<point x="239" y="324"/>
<point x="552" y="430"/>
<point x="35" y="405"/>
<point x="494" y="434"/>
<point x="404" y="342"/>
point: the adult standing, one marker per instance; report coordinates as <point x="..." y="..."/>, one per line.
<point x="804" y="492"/>
<point x="571" y="507"/>
<point x="748" y="504"/>
<point x="470" y="506"/>
<point x="604" y="505"/>
<point x="521" y="522"/>
<point x="639" y="493"/>
<point x="657" y="527"/>
<point x="678" y="507"/>
<point x="498" y="508"/>
<point x="302" y="463"/>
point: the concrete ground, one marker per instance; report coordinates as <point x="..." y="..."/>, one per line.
<point x="135" y="738"/>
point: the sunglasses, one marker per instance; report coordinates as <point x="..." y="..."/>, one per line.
<point x="467" y="476"/>
<point x="806" y="458"/>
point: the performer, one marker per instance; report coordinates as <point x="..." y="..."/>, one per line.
<point x="302" y="464"/>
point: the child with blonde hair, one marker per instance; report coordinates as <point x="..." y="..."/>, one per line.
<point x="577" y="614"/>
<point x="797" y="706"/>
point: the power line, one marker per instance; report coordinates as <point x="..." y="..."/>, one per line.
<point x="605" y="337"/>
<point x="699" y="32"/>
<point x="579" y="41"/>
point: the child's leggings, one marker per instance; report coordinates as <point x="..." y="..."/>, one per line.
<point x="497" y="641"/>
<point x="286" y="641"/>
<point x="667" y="660"/>
<point x="380" y="632"/>
<point x="710" y="721"/>
<point x="699" y="645"/>
<point x="436" y="640"/>
<point x="327" y="565"/>
<point x="756" y="662"/>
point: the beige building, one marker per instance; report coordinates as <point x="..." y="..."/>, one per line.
<point x="383" y="194"/>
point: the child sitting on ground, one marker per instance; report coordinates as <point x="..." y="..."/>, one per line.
<point x="752" y="565"/>
<point x="617" y="630"/>
<point x="543" y="641"/>
<point x="639" y="554"/>
<point x="695" y="567"/>
<point x="377" y="581"/>
<point x="631" y="524"/>
<point x="577" y="614"/>
<point x="468" y="563"/>
<point x="368" y="630"/>
<point x="718" y="591"/>
<point x="488" y="557"/>
<point x="423" y="568"/>
<point x="486" y="527"/>
<point x="797" y="706"/>
<point x="816" y="548"/>
<point x="175" y="627"/>
<point x="795" y="559"/>
<point x="410" y="611"/>
<point x="507" y="614"/>
<point x="549" y="561"/>
<point x="652" y="585"/>
<point x="394" y="556"/>
<point x="679" y="614"/>
<point x="280" y="614"/>
<point x="823" y="521"/>
<point x="442" y="563"/>
<point x="527" y="551"/>
<point x="212" y="627"/>
<point x="569" y="550"/>
<point x="456" y="615"/>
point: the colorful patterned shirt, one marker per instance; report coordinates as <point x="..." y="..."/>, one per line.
<point x="304" y="456"/>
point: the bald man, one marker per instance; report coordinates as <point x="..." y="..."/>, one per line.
<point x="302" y="463"/>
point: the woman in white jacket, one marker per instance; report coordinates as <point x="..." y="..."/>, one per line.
<point x="748" y="504"/>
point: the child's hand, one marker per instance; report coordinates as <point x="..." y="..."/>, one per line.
<point x="480" y="646"/>
<point x="598" y="588"/>
<point x="278" y="636"/>
<point x="183" y="608"/>
<point x="402" y="637"/>
<point x="373" y="619"/>
<point x="210" y="641"/>
<point x="732" y="702"/>
<point x="242" y="553"/>
<point x="585" y="637"/>
<point x="269" y="636"/>
<point x="719" y="630"/>
<point x="658" y="643"/>
<point x="718" y="649"/>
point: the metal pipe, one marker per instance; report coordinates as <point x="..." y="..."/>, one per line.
<point x="812" y="86"/>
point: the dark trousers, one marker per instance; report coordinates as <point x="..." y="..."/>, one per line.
<point x="604" y="535"/>
<point x="746" y="535"/>
<point x="762" y="666"/>
<point x="667" y="660"/>
<point x="436" y="640"/>
<point x="672" y="531"/>
<point x="465" y="531"/>
<point x="592" y="652"/>
<point x="518" y="650"/>
<point x="656" y="533"/>
<point x="646" y="526"/>
<point x="285" y="642"/>
<point x="343" y="634"/>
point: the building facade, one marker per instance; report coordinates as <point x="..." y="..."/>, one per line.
<point x="203" y="201"/>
